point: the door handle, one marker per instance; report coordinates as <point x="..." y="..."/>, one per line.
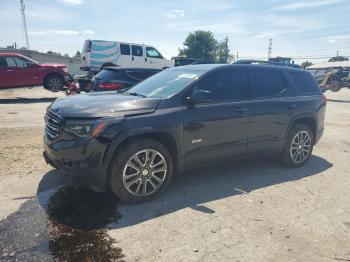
<point x="240" y="109"/>
<point x="145" y="59"/>
<point x="290" y="106"/>
<point x="132" y="58"/>
<point x="9" y="70"/>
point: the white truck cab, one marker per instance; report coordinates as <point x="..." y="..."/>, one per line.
<point x="99" y="53"/>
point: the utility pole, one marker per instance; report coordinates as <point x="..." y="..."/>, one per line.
<point x="24" y="23"/>
<point x="237" y="56"/>
<point x="269" y="52"/>
<point x="226" y="49"/>
<point x="337" y="53"/>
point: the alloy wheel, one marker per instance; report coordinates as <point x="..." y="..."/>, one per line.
<point x="300" y="147"/>
<point x="55" y="84"/>
<point x="144" y="172"/>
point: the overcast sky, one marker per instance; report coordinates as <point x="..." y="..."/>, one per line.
<point x="308" y="28"/>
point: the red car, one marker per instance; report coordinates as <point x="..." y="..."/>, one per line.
<point x="17" y="70"/>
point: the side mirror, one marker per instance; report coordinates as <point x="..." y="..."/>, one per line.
<point x="199" y="96"/>
<point x="29" y="64"/>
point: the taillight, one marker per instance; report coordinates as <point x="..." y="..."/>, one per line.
<point x="110" y="86"/>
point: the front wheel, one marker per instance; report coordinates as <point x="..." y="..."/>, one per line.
<point x="142" y="169"/>
<point x="54" y="83"/>
<point x="298" y="147"/>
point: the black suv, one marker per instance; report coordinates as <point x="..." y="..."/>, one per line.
<point x="116" y="78"/>
<point x="181" y="118"/>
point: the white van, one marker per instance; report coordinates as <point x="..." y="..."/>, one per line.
<point x="99" y="53"/>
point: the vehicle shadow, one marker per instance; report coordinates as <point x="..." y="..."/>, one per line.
<point x="196" y="188"/>
<point x="24" y="100"/>
<point x="338" y="101"/>
<point x="193" y="189"/>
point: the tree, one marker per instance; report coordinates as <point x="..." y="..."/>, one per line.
<point x="338" y="58"/>
<point x="200" y="45"/>
<point x="306" y="64"/>
<point x="77" y="54"/>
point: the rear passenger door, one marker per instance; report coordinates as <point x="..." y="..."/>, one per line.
<point x="269" y="110"/>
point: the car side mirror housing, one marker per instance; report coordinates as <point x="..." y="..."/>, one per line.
<point x="30" y="64"/>
<point x="199" y="96"/>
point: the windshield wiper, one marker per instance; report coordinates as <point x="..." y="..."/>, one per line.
<point x="136" y="94"/>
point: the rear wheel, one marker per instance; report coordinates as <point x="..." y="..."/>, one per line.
<point x="142" y="169"/>
<point x="298" y="147"/>
<point x="54" y="83"/>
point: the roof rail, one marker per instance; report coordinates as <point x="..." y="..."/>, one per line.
<point x="263" y="62"/>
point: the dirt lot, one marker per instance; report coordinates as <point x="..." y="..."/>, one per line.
<point x="253" y="210"/>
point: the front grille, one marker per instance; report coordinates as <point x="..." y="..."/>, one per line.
<point x="53" y="124"/>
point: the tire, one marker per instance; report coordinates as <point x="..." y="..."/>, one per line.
<point x="123" y="173"/>
<point x="54" y="83"/>
<point x="292" y="148"/>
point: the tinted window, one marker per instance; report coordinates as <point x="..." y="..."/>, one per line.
<point x="20" y="62"/>
<point x="152" y="52"/>
<point x="166" y="83"/>
<point x="106" y="74"/>
<point x="136" y="50"/>
<point x="10" y="61"/>
<point x="140" y="75"/>
<point x="2" y="61"/>
<point x="224" y="85"/>
<point x="264" y="83"/>
<point x="125" y="49"/>
<point x="304" y="82"/>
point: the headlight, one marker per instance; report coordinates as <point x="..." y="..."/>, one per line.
<point x="86" y="128"/>
<point x="81" y="128"/>
<point x="65" y="69"/>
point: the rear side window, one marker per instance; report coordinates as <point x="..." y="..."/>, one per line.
<point x="136" y="50"/>
<point x="224" y="85"/>
<point x="106" y="74"/>
<point x="265" y="83"/>
<point x="125" y="49"/>
<point x="140" y="75"/>
<point x="304" y="82"/>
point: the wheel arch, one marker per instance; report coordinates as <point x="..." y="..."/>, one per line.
<point x="164" y="137"/>
<point x="309" y="120"/>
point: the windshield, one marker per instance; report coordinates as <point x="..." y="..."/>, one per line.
<point x="165" y="83"/>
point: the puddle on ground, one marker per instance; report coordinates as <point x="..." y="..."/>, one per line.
<point x="71" y="229"/>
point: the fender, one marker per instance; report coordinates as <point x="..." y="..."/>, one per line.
<point x="122" y="136"/>
<point x="300" y="116"/>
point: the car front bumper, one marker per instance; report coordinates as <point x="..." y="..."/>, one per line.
<point x="80" y="159"/>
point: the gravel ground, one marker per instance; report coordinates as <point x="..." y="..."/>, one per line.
<point x="252" y="210"/>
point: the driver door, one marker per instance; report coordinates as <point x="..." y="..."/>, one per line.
<point x="218" y="128"/>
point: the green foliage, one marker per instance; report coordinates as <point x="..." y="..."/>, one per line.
<point x="203" y="45"/>
<point x="200" y="45"/>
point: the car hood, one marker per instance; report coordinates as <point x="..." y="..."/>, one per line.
<point x="104" y="104"/>
<point x="52" y="65"/>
